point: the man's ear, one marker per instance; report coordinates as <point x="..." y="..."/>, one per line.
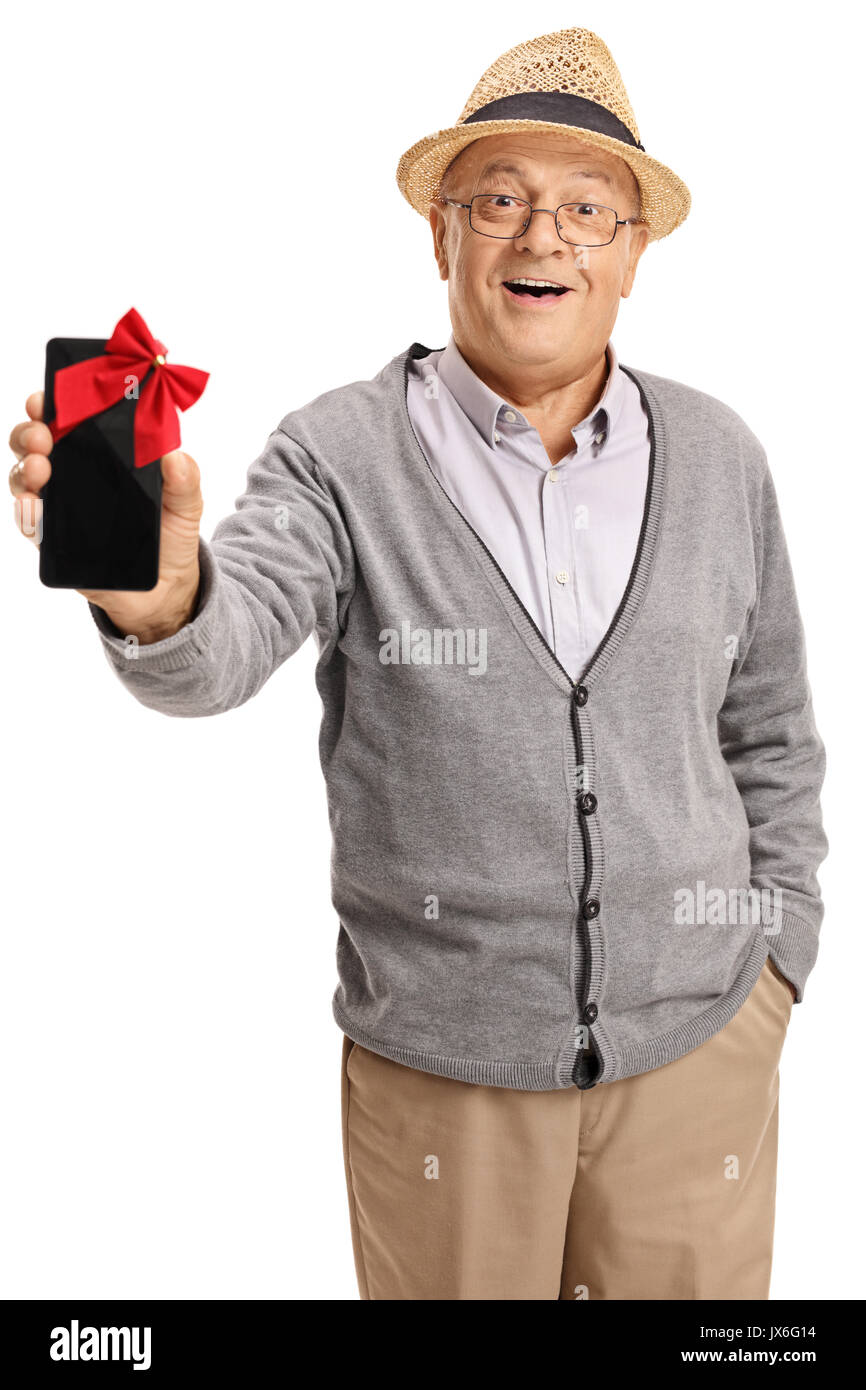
<point x="639" y="240"/>
<point x="438" y="227"/>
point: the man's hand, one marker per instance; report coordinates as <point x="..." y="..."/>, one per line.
<point x="776" y="971"/>
<point x="158" y="612"/>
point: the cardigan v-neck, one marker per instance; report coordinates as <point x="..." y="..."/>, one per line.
<point x="641" y="566"/>
<point x="564" y="533"/>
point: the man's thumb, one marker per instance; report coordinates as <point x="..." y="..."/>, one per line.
<point x="180" y="476"/>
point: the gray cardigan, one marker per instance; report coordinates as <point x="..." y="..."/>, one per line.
<point x="539" y="882"/>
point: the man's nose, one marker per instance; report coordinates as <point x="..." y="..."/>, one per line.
<point x="541" y="232"/>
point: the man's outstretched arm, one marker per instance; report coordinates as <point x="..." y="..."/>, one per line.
<point x="276" y="569"/>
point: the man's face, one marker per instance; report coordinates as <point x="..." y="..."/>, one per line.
<point x="503" y="330"/>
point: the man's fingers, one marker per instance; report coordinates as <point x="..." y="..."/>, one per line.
<point x="29" y="474"/>
<point x="31" y="437"/>
<point x="31" y="441"/>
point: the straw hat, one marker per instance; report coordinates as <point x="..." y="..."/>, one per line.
<point x="561" y="82"/>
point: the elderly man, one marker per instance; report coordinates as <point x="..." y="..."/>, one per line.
<point x="572" y="769"/>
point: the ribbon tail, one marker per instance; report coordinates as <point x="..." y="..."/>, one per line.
<point x="57" y="432"/>
<point x="157" y="430"/>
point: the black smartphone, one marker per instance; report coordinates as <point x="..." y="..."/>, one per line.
<point x="100" y="514"/>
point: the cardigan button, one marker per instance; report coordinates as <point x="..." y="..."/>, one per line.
<point x="587" y="803"/>
<point x="591" y="1012"/>
<point x="581" y="694"/>
<point x="592" y="907"/>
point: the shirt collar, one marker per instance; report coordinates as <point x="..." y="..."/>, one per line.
<point x="491" y="414"/>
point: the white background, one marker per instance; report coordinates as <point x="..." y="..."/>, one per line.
<point x="170" y="1076"/>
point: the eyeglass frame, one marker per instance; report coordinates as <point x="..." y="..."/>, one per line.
<point x="584" y="245"/>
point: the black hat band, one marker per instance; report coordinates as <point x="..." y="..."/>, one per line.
<point x="564" y="108"/>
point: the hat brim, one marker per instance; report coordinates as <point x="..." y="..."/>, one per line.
<point x="665" y="199"/>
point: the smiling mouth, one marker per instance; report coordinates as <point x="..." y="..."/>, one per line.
<point x="539" y="292"/>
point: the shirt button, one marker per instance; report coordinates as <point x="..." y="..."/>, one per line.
<point x="581" y="694"/>
<point x="600" y="438"/>
<point x="553" y="476"/>
<point x="591" y="908"/>
<point x="510" y="415"/>
<point x="587" y="803"/>
<point x="496" y="436"/>
<point x="591" y="1012"/>
<point x="562" y="576"/>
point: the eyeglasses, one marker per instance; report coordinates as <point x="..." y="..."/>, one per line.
<point x="503" y="216"/>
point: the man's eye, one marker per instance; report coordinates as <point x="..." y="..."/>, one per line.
<point x="585" y="209"/>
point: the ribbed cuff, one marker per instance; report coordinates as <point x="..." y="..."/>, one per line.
<point x="184" y="647"/>
<point x="793" y="948"/>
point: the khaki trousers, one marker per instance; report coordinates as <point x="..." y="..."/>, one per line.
<point x="659" y="1186"/>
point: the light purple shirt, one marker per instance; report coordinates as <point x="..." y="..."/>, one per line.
<point x="564" y="535"/>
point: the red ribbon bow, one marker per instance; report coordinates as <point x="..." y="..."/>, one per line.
<point x="88" y="387"/>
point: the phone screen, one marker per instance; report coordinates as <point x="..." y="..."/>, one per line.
<point x="100" y="514"/>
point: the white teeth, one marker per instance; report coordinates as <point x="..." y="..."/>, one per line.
<point x="553" y="283"/>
